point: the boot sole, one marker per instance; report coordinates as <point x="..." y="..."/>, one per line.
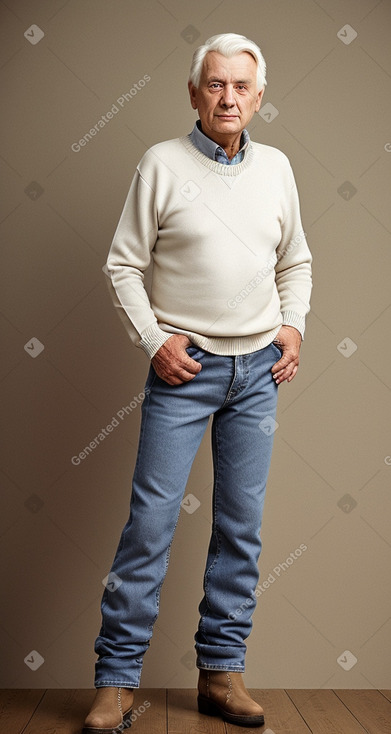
<point x="126" y="723"/>
<point x="208" y="707"/>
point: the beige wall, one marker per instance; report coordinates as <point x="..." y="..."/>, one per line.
<point x="330" y="476"/>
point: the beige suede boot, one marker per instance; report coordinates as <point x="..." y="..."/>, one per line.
<point x="111" y="710"/>
<point x="222" y="693"/>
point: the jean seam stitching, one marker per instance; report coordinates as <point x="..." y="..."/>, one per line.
<point x="215" y="526"/>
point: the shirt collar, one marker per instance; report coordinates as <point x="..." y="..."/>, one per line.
<point x="208" y="147"/>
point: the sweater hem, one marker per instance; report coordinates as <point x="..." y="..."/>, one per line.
<point x="230" y="345"/>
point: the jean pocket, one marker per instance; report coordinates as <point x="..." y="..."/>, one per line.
<point x="195" y="352"/>
<point x="277" y="349"/>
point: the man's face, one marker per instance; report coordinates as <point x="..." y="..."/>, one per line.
<point x="227" y="96"/>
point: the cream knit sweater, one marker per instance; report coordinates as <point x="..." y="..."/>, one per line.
<point x="230" y="259"/>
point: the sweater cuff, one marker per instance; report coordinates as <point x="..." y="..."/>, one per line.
<point x="291" y="318"/>
<point x="152" y="338"/>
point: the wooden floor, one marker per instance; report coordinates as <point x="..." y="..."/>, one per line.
<point x="174" y="711"/>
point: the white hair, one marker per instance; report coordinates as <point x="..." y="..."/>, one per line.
<point x="228" y="44"/>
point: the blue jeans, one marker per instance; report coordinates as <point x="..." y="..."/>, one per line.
<point x="241" y="394"/>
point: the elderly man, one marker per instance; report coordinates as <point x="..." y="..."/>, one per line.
<point x="219" y="216"/>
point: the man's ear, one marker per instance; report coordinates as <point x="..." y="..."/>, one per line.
<point x="193" y="94"/>
<point x="259" y="100"/>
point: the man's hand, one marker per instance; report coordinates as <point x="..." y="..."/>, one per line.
<point x="288" y="340"/>
<point x="172" y="363"/>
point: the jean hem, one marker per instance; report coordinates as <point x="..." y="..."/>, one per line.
<point x="225" y="668"/>
<point x="116" y="684"/>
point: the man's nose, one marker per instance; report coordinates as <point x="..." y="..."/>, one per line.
<point x="227" y="98"/>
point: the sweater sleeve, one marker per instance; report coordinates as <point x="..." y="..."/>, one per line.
<point x="293" y="267"/>
<point x="128" y="259"/>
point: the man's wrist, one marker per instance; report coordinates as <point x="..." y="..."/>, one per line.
<point x="292" y="318"/>
<point x="152" y="338"/>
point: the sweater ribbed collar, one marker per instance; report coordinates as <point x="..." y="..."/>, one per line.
<point x="219" y="168"/>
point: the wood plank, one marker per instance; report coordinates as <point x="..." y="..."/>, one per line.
<point x="183" y="716"/>
<point x="281" y="716"/>
<point x="369" y="707"/>
<point x="17" y="707"/>
<point x="152" y="718"/>
<point x="61" y="711"/>
<point x="323" y="712"/>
